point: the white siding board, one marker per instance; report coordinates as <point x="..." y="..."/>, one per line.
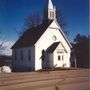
<point x="46" y="40"/>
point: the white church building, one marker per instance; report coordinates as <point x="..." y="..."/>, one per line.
<point x="43" y="46"/>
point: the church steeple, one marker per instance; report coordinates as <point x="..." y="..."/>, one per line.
<point x="50" y="11"/>
<point x="50" y="5"/>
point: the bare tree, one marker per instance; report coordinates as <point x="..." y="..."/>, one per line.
<point x="35" y="19"/>
<point x="61" y="18"/>
<point x="62" y="21"/>
<point x="31" y="21"/>
<point x="2" y="47"/>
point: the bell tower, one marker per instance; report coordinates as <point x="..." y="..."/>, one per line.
<point x="50" y="11"/>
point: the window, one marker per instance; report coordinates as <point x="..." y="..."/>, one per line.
<point x="50" y="14"/>
<point x="54" y="38"/>
<point x="15" y="55"/>
<point x="29" y="57"/>
<point x="53" y="14"/>
<point x="22" y="55"/>
<point x="62" y="57"/>
<point x="59" y="58"/>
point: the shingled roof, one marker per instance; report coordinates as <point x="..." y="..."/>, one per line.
<point x="30" y="37"/>
<point x="52" y="47"/>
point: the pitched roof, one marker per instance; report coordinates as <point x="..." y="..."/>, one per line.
<point x="63" y="35"/>
<point x="52" y="47"/>
<point x="30" y="37"/>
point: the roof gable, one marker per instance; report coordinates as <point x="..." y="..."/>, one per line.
<point x="54" y="46"/>
<point x="30" y="37"/>
<point x="62" y="47"/>
<point x="55" y="25"/>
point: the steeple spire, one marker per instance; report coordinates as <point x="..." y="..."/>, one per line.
<point x="50" y="11"/>
<point x="50" y="5"/>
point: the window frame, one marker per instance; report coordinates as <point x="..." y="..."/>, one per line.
<point x="50" y="13"/>
<point x="29" y="55"/>
<point x="53" y="14"/>
<point x="15" y="53"/>
<point x="59" y="57"/>
<point x="21" y="54"/>
<point x="62" y="57"/>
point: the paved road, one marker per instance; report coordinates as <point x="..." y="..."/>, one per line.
<point x="56" y="80"/>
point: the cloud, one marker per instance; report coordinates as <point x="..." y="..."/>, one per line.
<point x="7" y="48"/>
